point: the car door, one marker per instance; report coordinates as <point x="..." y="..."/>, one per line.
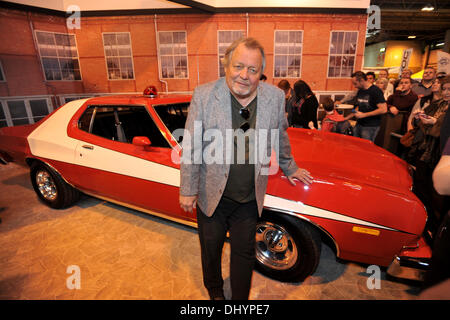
<point x="115" y="169"/>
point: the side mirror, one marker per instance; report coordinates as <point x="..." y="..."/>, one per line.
<point x="141" y="141"/>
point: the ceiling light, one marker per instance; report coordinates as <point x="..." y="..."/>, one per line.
<point x="411" y="37"/>
<point x="382" y="49"/>
<point x="428" y="7"/>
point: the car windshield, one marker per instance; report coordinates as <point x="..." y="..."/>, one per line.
<point x="173" y="115"/>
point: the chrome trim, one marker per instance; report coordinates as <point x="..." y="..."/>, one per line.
<point x="151" y="212"/>
<point x="409" y="268"/>
<point x="275" y="247"/>
<point x="294" y="214"/>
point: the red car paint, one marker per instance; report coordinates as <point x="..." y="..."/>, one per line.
<point x="353" y="178"/>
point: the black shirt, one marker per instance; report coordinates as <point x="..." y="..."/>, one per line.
<point x="367" y="101"/>
<point x="304" y="113"/>
<point x="240" y="185"/>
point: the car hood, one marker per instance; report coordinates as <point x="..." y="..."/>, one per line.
<point x="333" y="156"/>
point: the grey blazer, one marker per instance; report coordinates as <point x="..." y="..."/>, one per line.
<point x="211" y="109"/>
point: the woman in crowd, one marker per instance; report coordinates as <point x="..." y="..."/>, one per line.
<point x="286" y="87"/>
<point x="302" y="107"/>
<point x="383" y="83"/>
<point x="424" y="102"/>
<point x="425" y="151"/>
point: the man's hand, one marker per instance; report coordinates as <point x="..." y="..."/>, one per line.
<point x="301" y="174"/>
<point x="393" y="110"/>
<point x="188" y="203"/>
<point x="360" y="115"/>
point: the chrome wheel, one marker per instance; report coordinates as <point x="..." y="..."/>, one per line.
<point x="275" y="247"/>
<point x="46" y="185"/>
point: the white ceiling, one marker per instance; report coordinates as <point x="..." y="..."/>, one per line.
<point x="104" y="5"/>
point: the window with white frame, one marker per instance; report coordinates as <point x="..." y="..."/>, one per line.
<point x="118" y="55"/>
<point x="19" y="111"/>
<point x="342" y="57"/>
<point x="3" y="121"/>
<point x="288" y="53"/>
<point x="173" y="54"/>
<point x="224" y="39"/>
<point x="59" y="55"/>
<point x="2" y="74"/>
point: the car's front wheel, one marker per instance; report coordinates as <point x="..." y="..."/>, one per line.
<point x="287" y="248"/>
<point x="51" y="187"/>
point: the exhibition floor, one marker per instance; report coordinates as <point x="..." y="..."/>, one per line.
<point x="124" y="254"/>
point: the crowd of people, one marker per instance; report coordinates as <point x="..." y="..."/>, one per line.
<point x="420" y="111"/>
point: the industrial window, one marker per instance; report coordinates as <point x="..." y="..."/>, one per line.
<point x="225" y="39"/>
<point x="59" y="56"/>
<point x="173" y="54"/>
<point x="288" y="54"/>
<point x="20" y="111"/>
<point x="118" y="55"/>
<point x="342" y="57"/>
<point x="2" y="75"/>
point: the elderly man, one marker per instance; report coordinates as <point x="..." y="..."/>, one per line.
<point x="370" y="105"/>
<point x="229" y="195"/>
<point x="423" y="88"/>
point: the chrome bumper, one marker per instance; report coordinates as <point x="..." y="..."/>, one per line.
<point x="409" y="268"/>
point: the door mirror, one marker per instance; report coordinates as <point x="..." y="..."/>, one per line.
<point x="141" y="141"/>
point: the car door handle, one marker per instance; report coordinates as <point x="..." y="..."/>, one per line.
<point x="86" y="146"/>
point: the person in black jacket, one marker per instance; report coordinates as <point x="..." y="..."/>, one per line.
<point x="302" y="107"/>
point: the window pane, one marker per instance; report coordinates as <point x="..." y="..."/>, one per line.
<point x="19" y="122"/>
<point x="173" y="54"/>
<point x="342" y="53"/>
<point x="109" y="39"/>
<point x="39" y="107"/>
<point x="123" y="39"/>
<point x="281" y="36"/>
<point x="17" y="109"/>
<point x="118" y="45"/>
<point x="165" y="38"/>
<point x="288" y="49"/>
<point x="58" y="55"/>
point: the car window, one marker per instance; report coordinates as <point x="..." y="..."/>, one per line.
<point x="173" y="115"/>
<point x="121" y="123"/>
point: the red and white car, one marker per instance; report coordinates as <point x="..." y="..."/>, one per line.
<point x="119" y="148"/>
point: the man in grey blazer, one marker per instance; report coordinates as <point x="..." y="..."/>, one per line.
<point x="233" y="125"/>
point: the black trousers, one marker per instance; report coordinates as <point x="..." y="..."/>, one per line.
<point x="240" y="220"/>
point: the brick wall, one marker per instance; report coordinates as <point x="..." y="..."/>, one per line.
<point x="24" y="75"/>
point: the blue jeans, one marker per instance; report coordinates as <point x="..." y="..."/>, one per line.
<point x="369" y="133"/>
